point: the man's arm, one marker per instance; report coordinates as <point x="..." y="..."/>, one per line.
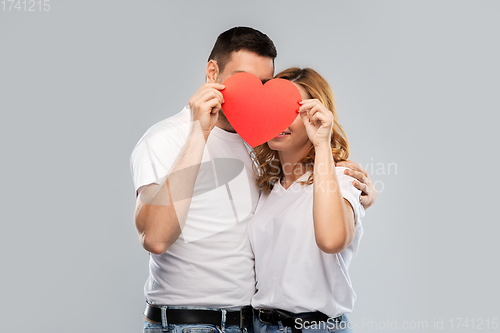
<point x="161" y="209"/>
<point x="363" y="183"/>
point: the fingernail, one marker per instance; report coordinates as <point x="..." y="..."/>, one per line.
<point x="346" y="171"/>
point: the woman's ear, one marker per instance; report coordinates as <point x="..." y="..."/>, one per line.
<point x="212" y="71"/>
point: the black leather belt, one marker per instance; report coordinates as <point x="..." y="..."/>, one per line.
<point x="273" y="316"/>
<point x="241" y="318"/>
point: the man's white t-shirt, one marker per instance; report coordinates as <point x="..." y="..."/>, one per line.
<point x="292" y="273"/>
<point x="211" y="263"/>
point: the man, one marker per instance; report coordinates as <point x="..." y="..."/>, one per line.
<point x="195" y="194"/>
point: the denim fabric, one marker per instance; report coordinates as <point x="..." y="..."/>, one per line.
<point x="154" y="327"/>
<point x="327" y="327"/>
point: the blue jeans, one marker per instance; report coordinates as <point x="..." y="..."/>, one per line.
<point x="157" y="327"/>
<point x="342" y="326"/>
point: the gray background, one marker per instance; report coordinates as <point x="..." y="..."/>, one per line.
<point x="416" y="84"/>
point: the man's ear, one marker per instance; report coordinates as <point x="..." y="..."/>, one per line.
<point x="212" y="71"/>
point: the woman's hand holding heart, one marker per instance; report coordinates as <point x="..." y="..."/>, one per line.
<point x="318" y="121"/>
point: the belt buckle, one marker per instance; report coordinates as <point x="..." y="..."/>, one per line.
<point x="261" y="311"/>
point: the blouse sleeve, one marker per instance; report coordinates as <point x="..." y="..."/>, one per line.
<point x="351" y="194"/>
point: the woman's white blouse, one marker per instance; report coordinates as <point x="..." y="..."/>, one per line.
<point x="292" y="273"/>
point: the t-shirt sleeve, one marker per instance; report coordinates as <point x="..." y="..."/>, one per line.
<point x="154" y="155"/>
<point x="351" y="194"/>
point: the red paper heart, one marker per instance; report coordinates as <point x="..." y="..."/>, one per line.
<point x="259" y="112"/>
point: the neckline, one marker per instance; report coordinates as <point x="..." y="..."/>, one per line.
<point x="301" y="178"/>
<point x="225" y="135"/>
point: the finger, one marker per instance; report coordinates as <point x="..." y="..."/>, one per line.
<point x="320" y="119"/>
<point x="356" y="174"/>
<point x="212" y="105"/>
<point x="351" y="165"/>
<point x="207" y="87"/>
<point x="370" y="195"/>
<point x="317" y="107"/>
<point x="306" y="110"/>
<point x="218" y="86"/>
<point x="363" y="199"/>
<point x="320" y="112"/>
<point x="217" y="93"/>
<point x="304" y="115"/>
<point x="314" y="120"/>
<point x="308" y="105"/>
<point x="360" y="186"/>
<point x="313" y="111"/>
<point x="216" y="108"/>
<point x="309" y="101"/>
<point x="209" y="95"/>
<point x="303" y="109"/>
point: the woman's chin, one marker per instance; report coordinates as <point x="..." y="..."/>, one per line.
<point x="278" y="146"/>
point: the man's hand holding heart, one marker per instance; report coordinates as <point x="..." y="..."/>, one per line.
<point x="205" y="105"/>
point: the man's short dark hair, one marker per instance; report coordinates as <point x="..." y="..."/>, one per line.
<point x="241" y="38"/>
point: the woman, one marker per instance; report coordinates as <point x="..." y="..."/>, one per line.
<point x="306" y="227"/>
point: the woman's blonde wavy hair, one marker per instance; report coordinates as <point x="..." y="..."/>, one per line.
<point x="267" y="166"/>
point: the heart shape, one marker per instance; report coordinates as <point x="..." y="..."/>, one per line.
<point x="259" y="112"/>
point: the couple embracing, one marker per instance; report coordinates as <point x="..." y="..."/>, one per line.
<point x="245" y="239"/>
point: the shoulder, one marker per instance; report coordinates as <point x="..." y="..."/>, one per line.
<point x="350" y="193"/>
<point x="158" y="148"/>
<point x="175" y="122"/>
<point x="167" y="131"/>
